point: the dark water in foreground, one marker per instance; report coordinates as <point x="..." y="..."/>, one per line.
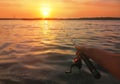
<point x="38" y="52"/>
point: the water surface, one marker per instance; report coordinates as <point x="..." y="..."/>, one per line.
<point x="38" y="52"/>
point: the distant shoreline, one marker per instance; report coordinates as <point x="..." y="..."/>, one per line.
<point x="94" y="18"/>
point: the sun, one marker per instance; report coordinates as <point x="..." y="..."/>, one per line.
<point x="45" y="11"/>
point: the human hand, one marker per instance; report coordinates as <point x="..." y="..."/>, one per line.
<point x="80" y="49"/>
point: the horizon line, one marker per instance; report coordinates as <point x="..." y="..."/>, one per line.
<point x="73" y="18"/>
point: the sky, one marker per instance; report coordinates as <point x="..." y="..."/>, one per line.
<point x="59" y="8"/>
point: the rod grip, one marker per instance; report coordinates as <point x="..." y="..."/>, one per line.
<point x="90" y="65"/>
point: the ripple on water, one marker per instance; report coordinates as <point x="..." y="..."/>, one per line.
<point x="5" y="45"/>
<point x="36" y="53"/>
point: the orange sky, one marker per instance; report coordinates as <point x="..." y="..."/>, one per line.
<point x="60" y="8"/>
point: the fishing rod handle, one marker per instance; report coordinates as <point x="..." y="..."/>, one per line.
<point x="90" y="65"/>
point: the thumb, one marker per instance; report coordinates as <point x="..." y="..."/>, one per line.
<point x="77" y="47"/>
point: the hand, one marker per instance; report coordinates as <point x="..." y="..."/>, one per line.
<point x="80" y="49"/>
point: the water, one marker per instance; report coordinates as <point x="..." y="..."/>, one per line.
<point x="38" y="52"/>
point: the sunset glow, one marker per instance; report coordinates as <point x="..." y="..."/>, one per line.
<point x="45" y="11"/>
<point x="60" y="8"/>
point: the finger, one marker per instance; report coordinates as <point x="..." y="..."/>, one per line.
<point x="80" y="48"/>
<point x="78" y="53"/>
<point x="77" y="47"/>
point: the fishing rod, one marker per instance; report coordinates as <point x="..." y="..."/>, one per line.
<point x="78" y="63"/>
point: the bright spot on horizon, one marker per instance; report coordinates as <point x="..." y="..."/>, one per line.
<point x="45" y="11"/>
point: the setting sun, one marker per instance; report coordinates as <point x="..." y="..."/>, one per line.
<point x="45" y="11"/>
